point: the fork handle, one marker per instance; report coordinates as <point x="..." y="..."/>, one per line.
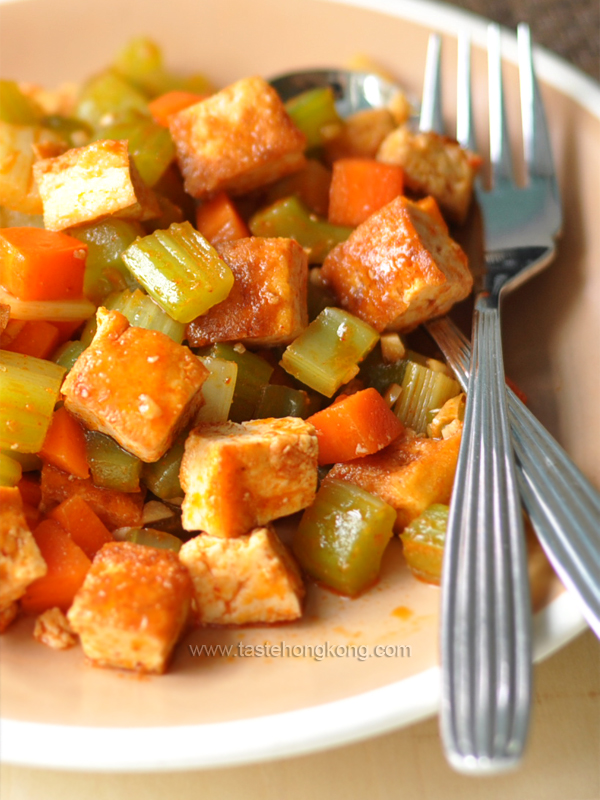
<point x="486" y="610"/>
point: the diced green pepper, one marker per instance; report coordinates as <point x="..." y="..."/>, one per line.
<point x="162" y="476"/>
<point x="253" y="375"/>
<point x="423" y="543"/>
<point x="314" y="113"/>
<point x="283" y="401"/>
<point x="290" y="219"/>
<point x="67" y="354"/>
<point x="423" y="391"/>
<point x="16" y="107"/>
<point x="217" y="390"/>
<point x="10" y="470"/>
<point x="108" y="97"/>
<point x="76" y="132"/>
<point x="149" y="537"/>
<point x="327" y="353"/>
<point x="380" y="374"/>
<point x="342" y="536"/>
<point x="29" y="389"/>
<point x="180" y="270"/>
<point x="111" y="466"/>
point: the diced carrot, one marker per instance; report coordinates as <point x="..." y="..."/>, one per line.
<point x="115" y="509"/>
<point x="66" y="329"/>
<point x="64" y="445"/>
<point x="31" y="492"/>
<point x="11" y="331"/>
<point x="36" y="338"/>
<point x="357" y="425"/>
<point x="67" y="568"/>
<point x="83" y="526"/>
<point x="219" y="221"/>
<point x="33" y="516"/>
<point x="361" y="186"/>
<point x="163" y="106"/>
<point x="430" y="206"/>
<point x="36" y="264"/>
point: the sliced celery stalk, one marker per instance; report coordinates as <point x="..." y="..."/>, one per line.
<point x="49" y="310"/>
<point x="108" y="97"/>
<point x="10" y="470"/>
<point x="162" y="476"/>
<point x="291" y="219"/>
<point x="283" y="401"/>
<point x="327" y="352"/>
<point x="111" y="466"/>
<point x="30" y="462"/>
<point x="253" y="375"/>
<point x="180" y="270"/>
<point x="16" y="107"/>
<point x="29" y="389"/>
<point x="342" y="536"/>
<point x="149" y="144"/>
<point x="105" y="270"/>
<point x="142" y="312"/>
<point x="67" y="354"/>
<point x="423" y="391"/>
<point x="217" y="389"/>
<point x="149" y="537"/>
<point x="423" y="543"/>
<point x="314" y="113"/>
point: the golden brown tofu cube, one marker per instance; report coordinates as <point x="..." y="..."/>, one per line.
<point x="267" y="304"/>
<point x="52" y="629"/>
<point x="361" y="135"/>
<point x="89" y="183"/>
<point x="132" y="607"/>
<point x="240" y="476"/>
<point x="249" y="579"/>
<point x="236" y="140"/>
<point x="21" y="562"/>
<point x="398" y="268"/>
<point x="135" y="385"/>
<point x="434" y="165"/>
<point x="410" y="474"/>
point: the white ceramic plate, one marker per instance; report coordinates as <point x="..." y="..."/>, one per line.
<point x="209" y="711"/>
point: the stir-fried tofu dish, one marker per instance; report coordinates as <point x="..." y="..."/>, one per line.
<point x="210" y="395"/>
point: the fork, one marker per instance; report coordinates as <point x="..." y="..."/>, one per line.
<point x="486" y="625"/>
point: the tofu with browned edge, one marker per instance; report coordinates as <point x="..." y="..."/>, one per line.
<point x="398" y="268"/>
<point x="267" y="304"/>
<point x="21" y="562"/>
<point x="133" y="607"/>
<point x="410" y="474"/>
<point x="249" y="579"/>
<point x="90" y="183"/>
<point x="240" y="476"/>
<point x="236" y="140"/>
<point x="136" y="385"/>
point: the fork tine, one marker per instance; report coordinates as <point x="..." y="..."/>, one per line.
<point x="500" y="156"/>
<point x="464" y="112"/>
<point x="431" y="102"/>
<point x="536" y="141"/>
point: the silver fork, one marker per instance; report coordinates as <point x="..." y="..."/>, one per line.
<point x="486" y="636"/>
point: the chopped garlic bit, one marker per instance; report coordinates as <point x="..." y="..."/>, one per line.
<point x="392" y="347"/>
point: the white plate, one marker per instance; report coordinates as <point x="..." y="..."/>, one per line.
<point x="215" y="711"/>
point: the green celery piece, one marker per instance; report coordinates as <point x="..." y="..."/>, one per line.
<point x="218" y="389"/>
<point x="423" y="390"/>
<point x="314" y="113"/>
<point x="16" y="219"/>
<point x="283" y="401"/>
<point x="105" y="270"/>
<point x="16" y="107"/>
<point x="253" y="375"/>
<point x="423" y="542"/>
<point x="30" y="462"/>
<point x="142" y="312"/>
<point x="162" y="476"/>
<point x="88" y="332"/>
<point x="149" y="144"/>
<point x="327" y="353"/>
<point x="10" y="470"/>
<point x="380" y="374"/>
<point x="149" y="537"/>
<point x="290" y="218"/>
<point x="180" y="270"/>
<point x="342" y="536"/>
<point x="67" y="354"/>
<point x="29" y="390"/>
<point x="108" y="96"/>
<point x="111" y="466"/>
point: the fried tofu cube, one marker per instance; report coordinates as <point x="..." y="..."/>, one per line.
<point x="21" y="562"/>
<point x="434" y="165"/>
<point x="240" y="476"/>
<point x="8" y="615"/>
<point x="267" y="305"/>
<point x="89" y="183"/>
<point x="398" y="268"/>
<point x="236" y="140"/>
<point x="135" y="385"/>
<point x="410" y="474"/>
<point x="132" y="607"/>
<point x="52" y="629"/>
<point x="249" y="579"/>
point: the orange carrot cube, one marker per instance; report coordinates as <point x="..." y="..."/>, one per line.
<point x="81" y="523"/>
